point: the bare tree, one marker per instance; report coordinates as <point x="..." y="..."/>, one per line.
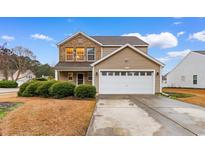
<point x="5" y="60"/>
<point x="21" y="58"/>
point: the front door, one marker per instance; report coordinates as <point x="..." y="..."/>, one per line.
<point x="79" y="79"/>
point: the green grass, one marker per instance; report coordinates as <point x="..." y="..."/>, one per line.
<point x="178" y="95"/>
<point x="4" y="110"/>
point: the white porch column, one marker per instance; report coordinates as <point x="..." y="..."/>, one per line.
<point x="56" y="75"/>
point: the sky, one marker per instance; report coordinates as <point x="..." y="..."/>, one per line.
<point x="170" y="39"/>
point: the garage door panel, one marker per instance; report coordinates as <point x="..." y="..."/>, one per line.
<point x="126" y="84"/>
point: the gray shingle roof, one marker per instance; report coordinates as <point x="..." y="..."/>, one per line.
<point x="119" y="40"/>
<point x="201" y="52"/>
<point x="73" y="66"/>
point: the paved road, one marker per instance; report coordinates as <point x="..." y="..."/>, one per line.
<point x="8" y="90"/>
<point x="146" y="115"/>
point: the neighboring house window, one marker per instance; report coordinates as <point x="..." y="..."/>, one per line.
<point x="194" y="79"/>
<point x="70" y="76"/>
<point x="182" y="78"/>
<point x="91" y="54"/>
<point x="89" y="76"/>
<point x="80" y="54"/>
<point x="69" y="54"/>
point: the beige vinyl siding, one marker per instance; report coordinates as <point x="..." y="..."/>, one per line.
<point x="127" y="58"/>
<point x="108" y="50"/>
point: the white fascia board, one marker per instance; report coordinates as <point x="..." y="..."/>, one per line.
<point x="135" y="49"/>
<point x="68" y="38"/>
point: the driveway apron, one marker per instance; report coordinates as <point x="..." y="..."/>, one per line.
<point x="139" y="115"/>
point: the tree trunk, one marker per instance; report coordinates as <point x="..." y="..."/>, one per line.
<point x="18" y="74"/>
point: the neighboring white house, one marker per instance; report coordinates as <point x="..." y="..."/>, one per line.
<point x="189" y="73"/>
<point x="24" y="77"/>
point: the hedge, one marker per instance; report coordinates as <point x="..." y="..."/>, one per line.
<point x="31" y="89"/>
<point x="85" y="91"/>
<point x="62" y="89"/>
<point x="43" y="89"/>
<point x="8" y="84"/>
<point x="22" y="88"/>
<point x="40" y="79"/>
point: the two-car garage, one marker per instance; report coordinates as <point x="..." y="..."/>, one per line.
<point x="126" y="82"/>
<point x="127" y="71"/>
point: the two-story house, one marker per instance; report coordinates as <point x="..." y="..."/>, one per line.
<point x="114" y="64"/>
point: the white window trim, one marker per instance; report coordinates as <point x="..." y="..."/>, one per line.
<point x="195" y="79"/>
<point x="91" y="76"/>
<point x="66" y="54"/>
<point x="72" y="76"/>
<point x="94" y="54"/>
<point x="76" y="54"/>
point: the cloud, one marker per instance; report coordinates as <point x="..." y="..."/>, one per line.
<point x="162" y="40"/>
<point x="173" y="55"/>
<point x="41" y="37"/>
<point x="7" y="38"/>
<point x="178" y="54"/>
<point x="180" y="33"/>
<point x="177" y="23"/>
<point x="163" y="59"/>
<point x="200" y="36"/>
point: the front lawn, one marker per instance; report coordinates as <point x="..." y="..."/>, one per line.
<point x="6" y="107"/>
<point x="175" y="95"/>
<point x="193" y="96"/>
<point x="47" y="116"/>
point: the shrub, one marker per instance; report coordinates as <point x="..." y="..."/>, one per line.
<point x="62" y="89"/>
<point x="43" y="89"/>
<point x="8" y="84"/>
<point x="31" y="89"/>
<point x="23" y="87"/>
<point x="85" y="91"/>
<point x="41" y="79"/>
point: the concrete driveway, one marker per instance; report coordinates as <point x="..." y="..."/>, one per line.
<point x="146" y="115"/>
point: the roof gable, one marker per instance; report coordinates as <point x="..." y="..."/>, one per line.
<point x="186" y="57"/>
<point x="110" y="40"/>
<point x="79" y="33"/>
<point x="130" y="46"/>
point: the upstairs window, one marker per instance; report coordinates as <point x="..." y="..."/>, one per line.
<point x="91" y="54"/>
<point x="69" y="54"/>
<point x="80" y="54"/>
<point x="194" y="79"/>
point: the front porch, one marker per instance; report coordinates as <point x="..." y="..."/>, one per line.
<point x="76" y="77"/>
<point x="75" y="72"/>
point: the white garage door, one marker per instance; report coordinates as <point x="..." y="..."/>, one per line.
<point x="126" y="82"/>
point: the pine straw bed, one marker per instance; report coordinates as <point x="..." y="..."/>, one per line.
<point x="41" y="116"/>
